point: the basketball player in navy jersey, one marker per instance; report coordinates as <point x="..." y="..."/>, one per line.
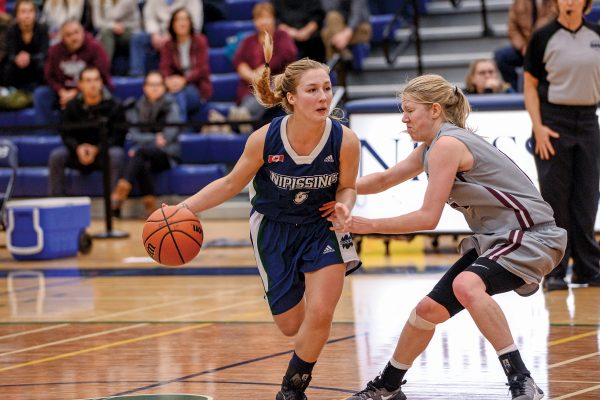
<point x="296" y="164"/>
<point x="515" y="239"/>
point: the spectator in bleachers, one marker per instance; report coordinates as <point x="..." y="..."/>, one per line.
<point x="5" y="21"/>
<point x="483" y="78"/>
<point x="156" y="147"/>
<point x="115" y="21"/>
<point x="56" y="12"/>
<point x="146" y="45"/>
<point x="27" y="42"/>
<point x="185" y="66"/>
<point x="249" y="60"/>
<point x="82" y="146"/>
<point x="524" y="17"/>
<point x="65" y="62"/>
<point x="302" y="20"/>
<point x="346" y="23"/>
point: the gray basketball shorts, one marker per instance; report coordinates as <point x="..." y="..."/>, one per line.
<point x="515" y="261"/>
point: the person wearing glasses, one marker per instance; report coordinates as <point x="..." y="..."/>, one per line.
<point x="483" y="77"/>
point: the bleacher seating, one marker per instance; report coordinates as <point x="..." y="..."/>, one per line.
<point x="239" y="9"/>
<point x="488" y="102"/>
<point x="204" y="159"/>
<point x="218" y="32"/>
<point x="204" y="156"/>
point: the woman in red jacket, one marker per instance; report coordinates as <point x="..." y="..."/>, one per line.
<point x="184" y="64"/>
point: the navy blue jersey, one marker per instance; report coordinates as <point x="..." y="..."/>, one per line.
<point x="291" y="188"/>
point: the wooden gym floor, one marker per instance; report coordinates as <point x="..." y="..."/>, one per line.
<point x="111" y="323"/>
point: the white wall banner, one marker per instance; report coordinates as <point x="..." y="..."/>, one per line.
<point x="384" y="143"/>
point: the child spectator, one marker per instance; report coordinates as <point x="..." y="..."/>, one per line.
<point x="156" y="147"/>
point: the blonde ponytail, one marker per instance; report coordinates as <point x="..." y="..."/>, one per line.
<point x="283" y="83"/>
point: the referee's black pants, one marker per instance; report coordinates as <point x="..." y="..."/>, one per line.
<point x="569" y="182"/>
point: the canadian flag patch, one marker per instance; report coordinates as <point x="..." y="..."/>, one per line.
<point x="275" y="158"/>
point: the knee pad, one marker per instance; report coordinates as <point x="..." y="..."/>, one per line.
<point x="420" y="323"/>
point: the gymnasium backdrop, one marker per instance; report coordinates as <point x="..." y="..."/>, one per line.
<point x="383" y="143"/>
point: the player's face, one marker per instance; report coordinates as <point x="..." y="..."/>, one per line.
<point x="419" y="120"/>
<point x="313" y="94"/>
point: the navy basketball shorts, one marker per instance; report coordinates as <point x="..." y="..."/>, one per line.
<point x="285" y="251"/>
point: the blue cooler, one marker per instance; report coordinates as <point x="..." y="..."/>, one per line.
<point x="43" y="229"/>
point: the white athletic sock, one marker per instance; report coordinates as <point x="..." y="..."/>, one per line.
<point x="508" y="349"/>
<point x="398" y="365"/>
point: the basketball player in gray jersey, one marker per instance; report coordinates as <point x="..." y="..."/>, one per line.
<point x="515" y="240"/>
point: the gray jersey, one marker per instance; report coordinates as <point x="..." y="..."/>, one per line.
<point x="495" y="195"/>
<point x="513" y="225"/>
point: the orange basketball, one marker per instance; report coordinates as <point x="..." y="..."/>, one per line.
<point x="172" y="235"/>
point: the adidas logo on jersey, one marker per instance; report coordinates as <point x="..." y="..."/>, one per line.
<point x="329" y="158"/>
<point x="328" y="250"/>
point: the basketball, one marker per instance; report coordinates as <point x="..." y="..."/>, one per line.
<point x="172" y="235"/>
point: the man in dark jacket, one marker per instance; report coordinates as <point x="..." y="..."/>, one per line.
<point x="81" y="133"/>
<point x="65" y="62"/>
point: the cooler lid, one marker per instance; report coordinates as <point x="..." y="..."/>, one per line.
<point x="51" y="202"/>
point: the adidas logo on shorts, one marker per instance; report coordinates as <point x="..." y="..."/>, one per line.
<point x="329" y="158"/>
<point x="328" y="249"/>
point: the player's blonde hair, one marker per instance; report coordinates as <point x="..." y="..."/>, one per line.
<point x="283" y="83"/>
<point x="429" y="89"/>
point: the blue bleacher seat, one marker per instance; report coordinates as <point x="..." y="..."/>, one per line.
<point x="194" y="148"/>
<point x="184" y="179"/>
<point x="495" y="102"/>
<point x="25" y="116"/>
<point x="240" y="9"/>
<point x="35" y="150"/>
<point x="212" y="148"/>
<point x="218" y="32"/>
<point x="219" y="62"/>
<point x="224" y="86"/>
<point x="126" y="87"/>
<point x="594" y="15"/>
<point x="226" y="148"/>
<point x="187" y="179"/>
<point x="378" y="23"/>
